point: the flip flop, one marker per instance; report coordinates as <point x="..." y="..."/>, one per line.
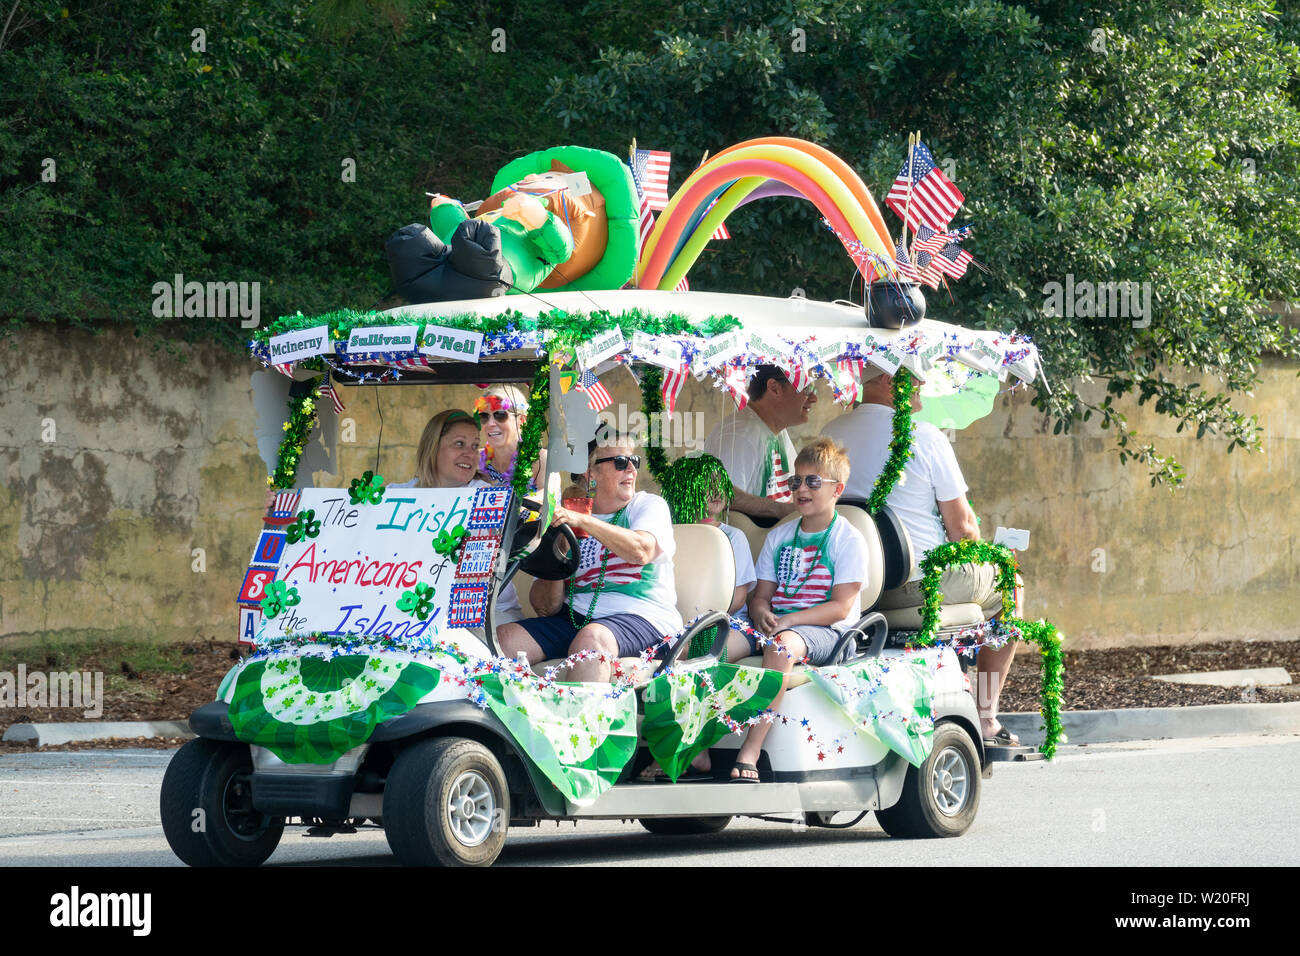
<point x="652" y="774"/>
<point x="740" y="768"/>
<point x="1003" y="738"/>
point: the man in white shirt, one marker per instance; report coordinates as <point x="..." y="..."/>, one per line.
<point x="930" y="501"/>
<point x="755" y="448"/>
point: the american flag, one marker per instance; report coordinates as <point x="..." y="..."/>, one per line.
<point x="805" y="569"/>
<point x="329" y="391"/>
<point x="617" y="571"/>
<point x="721" y="231"/>
<point x="647" y="220"/>
<point x="672" y="387"/>
<point x="850" y="377"/>
<point x="682" y="286"/>
<point x="927" y="240"/>
<point x="934" y="199"/>
<point x="779" y="484"/>
<point x="926" y="273"/>
<point x="905" y="267"/>
<point x="952" y="260"/>
<point x="798" y="377"/>
<point x="597" y="398"/>
<point x="736" y="381"/>
<point x="650" y="170"/>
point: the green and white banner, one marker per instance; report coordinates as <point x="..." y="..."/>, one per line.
<point x="891" y="699"/>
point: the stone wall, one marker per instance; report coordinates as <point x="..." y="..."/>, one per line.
<point x="122" y="460"/>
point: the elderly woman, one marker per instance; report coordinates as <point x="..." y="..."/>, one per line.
<point x="502" y="411"/>
<point x="448" y="453"/>
<point x="622" y="599"/>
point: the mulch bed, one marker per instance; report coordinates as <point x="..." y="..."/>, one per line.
<point x="1094" y="680"/>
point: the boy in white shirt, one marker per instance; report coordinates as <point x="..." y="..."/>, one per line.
<point x="809" y="575"/>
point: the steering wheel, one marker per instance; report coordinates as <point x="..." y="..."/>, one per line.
<point x="548" y="561"/>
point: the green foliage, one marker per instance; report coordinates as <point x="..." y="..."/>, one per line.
<point x="1159" y="143"/>
<point x="1111" y="145"/>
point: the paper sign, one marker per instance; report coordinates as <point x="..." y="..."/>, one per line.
<point x="1017" y="539"/>
<point x="828" y="352"/>
<point x="577" y="183"/>
<point x="382" y="338"/>
<point x="250" y="622"/>
<point x="606" y="345"/>
<point x="350" y="577"/>
<point x="657" y="350"/>
<point x="775" y="350"/>
<point x="295" y="346"/>
<point x="984" y="350"/>
<point x="452" y="343"/>
<point x="886" y="361"/>
<point x="721" y="348"/>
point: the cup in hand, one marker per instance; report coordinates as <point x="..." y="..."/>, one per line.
<point x="580" y="505"/>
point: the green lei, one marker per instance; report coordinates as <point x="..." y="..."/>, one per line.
<point x="900" y="446"/>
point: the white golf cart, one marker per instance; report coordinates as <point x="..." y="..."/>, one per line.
<point x="375" y="694"/>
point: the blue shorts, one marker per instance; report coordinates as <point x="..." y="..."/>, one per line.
<point x="555" y="634"/>
<point x="820" y="641"/>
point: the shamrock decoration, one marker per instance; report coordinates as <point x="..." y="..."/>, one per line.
<point x="304" y="527"/>
<point x="279" y="597"/>
<point x="368" y="489"/>
<point x="418" y="602"/>
<point x="447" y="543"/>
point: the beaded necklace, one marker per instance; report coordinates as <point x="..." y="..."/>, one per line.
<point x="600" y="582"/>
<point x="821" y="543"/>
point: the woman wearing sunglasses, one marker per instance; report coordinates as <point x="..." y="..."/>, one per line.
<point x="622" y="599"/>
<point x="502" y="411"/>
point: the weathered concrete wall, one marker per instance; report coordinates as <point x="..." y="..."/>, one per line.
<point x="119" y="461"/>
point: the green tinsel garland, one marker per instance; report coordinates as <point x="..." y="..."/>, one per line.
<point x="688" y="484"/>
<point x="1041" y="633"/>
<point x="530" y="439"/>
<point x="569" y="328"/>
<point x="652" y="403"/>
<point x="302" y="419"/>
<point x="900" y="446"/>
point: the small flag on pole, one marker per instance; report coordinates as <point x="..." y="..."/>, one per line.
<point x="597" y="398"/>
<point x="952" y="260"/>
<point x="905" y="267"/>
<point x="650" y="170"/>
<point x="682" y="286"/>
<point x="922" y="194"/>
<point x="328" y="391"/>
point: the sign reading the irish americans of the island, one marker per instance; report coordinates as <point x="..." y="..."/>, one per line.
<point x="351" y="575"/>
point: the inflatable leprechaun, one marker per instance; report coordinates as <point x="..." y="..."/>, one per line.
<point x="560" y="218"/>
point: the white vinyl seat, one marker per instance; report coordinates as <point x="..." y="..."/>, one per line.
<point x="950" y="615"/>
<point x="704" y="575"/>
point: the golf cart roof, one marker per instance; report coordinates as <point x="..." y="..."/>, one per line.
<point x="817" y="336"/>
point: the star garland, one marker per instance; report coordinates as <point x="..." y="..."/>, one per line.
<point x="1041" y="633"/>
<point x="302" y="420"/>
<point x="900" y="446"/>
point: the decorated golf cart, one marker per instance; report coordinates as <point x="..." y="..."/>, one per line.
<point x="374" y="693"/>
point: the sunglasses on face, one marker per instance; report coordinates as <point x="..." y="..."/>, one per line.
<point x="813" y="481"/>
<point x="501" y="414"/>
<point x="622" y="461"/>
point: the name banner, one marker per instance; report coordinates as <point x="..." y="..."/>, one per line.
<point x="721" y="348"/>
<point x="886" y="361"/>
<point x="452" y="343"/>
<point x="657" y="350"/>
<point x="828" y="352"/>
<point x="295" y="346"/>
<point x="774" y="350"/>
<point x="362" y="561"/>
<point x="606" y="345"/>
<point x="383" y="338"/>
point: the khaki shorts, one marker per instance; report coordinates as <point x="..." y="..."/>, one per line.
<point x="961" y="584"/>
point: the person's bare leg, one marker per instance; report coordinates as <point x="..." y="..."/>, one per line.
<point x="593" y="637"/>
<point x="779" y="656"/>
<point x="994" y="665"/>
<point x="512" y="638"/>
<point x="737" y="649"/>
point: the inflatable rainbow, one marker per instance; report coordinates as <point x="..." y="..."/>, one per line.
<point x="754" y="169"/>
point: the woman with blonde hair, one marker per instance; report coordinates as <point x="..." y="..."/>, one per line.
<point x="447" y="455"/>
<point x="501" y="411"/>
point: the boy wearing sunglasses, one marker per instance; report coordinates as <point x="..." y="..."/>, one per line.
<point x="809" y="574"/>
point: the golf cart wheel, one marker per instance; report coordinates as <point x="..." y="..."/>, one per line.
<point x="684" y="826"/>
<point x="207" y="807"/>
<point x="446" y="804"/>
<point x="940" y="798"/>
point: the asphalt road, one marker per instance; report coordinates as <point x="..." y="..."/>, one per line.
<point x="1223" y="801"/>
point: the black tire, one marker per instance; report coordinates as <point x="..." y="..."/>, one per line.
<point x="421" y="826"/>
<point x="684" y="826"/>
<point x="920" y="813"/>
<point x="212" y="776"/>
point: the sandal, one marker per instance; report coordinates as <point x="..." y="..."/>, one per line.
<point x="1003" y="738"/>
<point x="653" y="773"/>
<point x="740" y="769"/>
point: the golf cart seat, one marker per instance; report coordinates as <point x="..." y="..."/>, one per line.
<point x="704" y="573"/>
